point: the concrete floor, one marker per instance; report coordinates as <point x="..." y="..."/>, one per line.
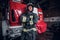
<point x="44" y="36"/>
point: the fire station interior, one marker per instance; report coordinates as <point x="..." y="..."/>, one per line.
<point x="51" y="16"/>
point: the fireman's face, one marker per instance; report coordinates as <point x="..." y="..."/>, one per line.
<point x="30" y="8"/>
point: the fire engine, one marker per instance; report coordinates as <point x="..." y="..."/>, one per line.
<point x="12" y="26"/>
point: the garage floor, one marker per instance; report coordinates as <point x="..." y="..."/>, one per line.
<point x="45" y="36"/>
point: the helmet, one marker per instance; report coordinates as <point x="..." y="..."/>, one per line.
<point x="30" y="4"/>
<point x="17" y="0"/>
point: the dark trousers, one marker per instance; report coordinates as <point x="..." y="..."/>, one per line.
<point x="31" y="35"/>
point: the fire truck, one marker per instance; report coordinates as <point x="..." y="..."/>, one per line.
<point x="12" y="27"/>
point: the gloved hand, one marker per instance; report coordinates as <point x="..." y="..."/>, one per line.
<point x="34" y="29"/>
<point x="25" y="30"/>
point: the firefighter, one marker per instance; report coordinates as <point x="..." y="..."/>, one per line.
<point x="28" y="20"/>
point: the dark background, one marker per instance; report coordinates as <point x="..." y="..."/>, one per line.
<point x="51" y="8"/>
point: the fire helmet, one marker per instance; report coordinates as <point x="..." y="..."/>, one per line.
<point x="30" y="4"/>
<point x="17" y="0"/>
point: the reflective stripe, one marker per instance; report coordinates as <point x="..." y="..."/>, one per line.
<point x="26" y="30"/>
<point x="15" y="26"/>
<point x="8" y="15"/>
<point x="24" y="19"/>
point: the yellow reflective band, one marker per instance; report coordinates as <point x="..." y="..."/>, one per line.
<point x="24" y="19"/>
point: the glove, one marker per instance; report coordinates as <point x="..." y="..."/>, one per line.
<point x="25" y="30"/>
<point x="34" y="29"/>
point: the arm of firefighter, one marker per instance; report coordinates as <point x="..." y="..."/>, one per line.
<point x="35" y="18"/>
<point x="22" y="18"/>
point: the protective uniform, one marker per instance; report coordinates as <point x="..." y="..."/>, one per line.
<point x="28" y="20"/>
